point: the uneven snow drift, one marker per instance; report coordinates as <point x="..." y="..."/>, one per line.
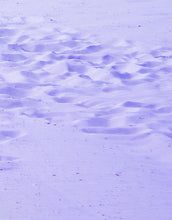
<point x="106" y="93"/>
<point x="109" y="89"/>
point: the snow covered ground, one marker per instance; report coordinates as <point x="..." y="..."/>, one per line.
<point x="86" y="110"/>
<point x="146" y="21"/>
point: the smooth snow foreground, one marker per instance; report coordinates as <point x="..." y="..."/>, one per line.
<point x="86" y="127"/>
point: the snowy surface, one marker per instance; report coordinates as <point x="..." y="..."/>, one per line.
<point x="86" y="110"/>
<point x="146" y="21"/>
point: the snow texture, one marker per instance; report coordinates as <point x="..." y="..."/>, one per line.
<point x="85" y="125"/>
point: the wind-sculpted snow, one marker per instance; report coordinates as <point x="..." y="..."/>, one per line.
<point x="86" y="126"/>
<point x="107" y="89"/>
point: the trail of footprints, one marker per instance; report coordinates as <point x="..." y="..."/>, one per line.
<point x="111" y="89"/>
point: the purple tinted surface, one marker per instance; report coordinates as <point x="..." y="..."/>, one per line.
<point x="85" y="119"/>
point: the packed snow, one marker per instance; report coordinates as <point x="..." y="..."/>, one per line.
<point x="85" y="125"/>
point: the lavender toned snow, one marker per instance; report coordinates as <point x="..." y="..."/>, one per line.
<point x="85" y="126"/>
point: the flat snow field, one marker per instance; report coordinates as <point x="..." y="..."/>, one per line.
<point x="85" y="110"/>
